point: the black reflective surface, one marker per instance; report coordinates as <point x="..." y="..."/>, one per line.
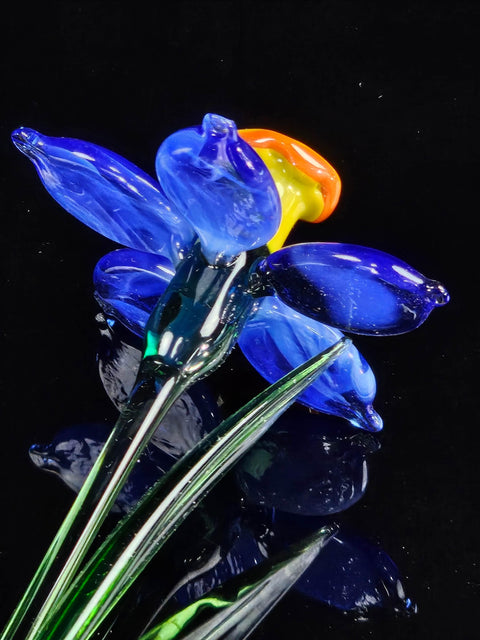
<point x="389" y="96"/>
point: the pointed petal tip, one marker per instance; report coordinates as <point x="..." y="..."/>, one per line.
<point x="438" y="293"/>
<point x="327" y="532"/>
<point x="368" y="419"/>
<point x="25" y="139"/>
<point x="40" y="455"/>
<point x="218" y="126"/>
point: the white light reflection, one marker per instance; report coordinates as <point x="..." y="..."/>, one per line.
<point x="345" y="256"/>
<point x="306" y="156"/>
<point x="408" y="275"/>
<point x="165" y="343"/>
<point x="85" y="156"/>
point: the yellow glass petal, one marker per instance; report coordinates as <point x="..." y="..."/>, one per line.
<point x="300" y="195"/>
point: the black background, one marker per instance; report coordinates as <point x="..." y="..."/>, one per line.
<point x="388" y="93"/>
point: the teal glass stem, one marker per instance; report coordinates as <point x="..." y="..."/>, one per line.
<point x="191" y="331"/>
<point x="129" y="548"/>
<point x="235" y="609"/>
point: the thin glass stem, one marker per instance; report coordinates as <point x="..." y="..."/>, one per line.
<point x="188" y="334"/>
<point x="130" y="435"/>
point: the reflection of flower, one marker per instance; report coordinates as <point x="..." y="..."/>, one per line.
<point x="215" y="188"/>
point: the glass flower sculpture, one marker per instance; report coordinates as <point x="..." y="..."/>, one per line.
<point x="203" y="267"/>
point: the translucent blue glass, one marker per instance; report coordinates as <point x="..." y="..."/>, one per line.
<point x="353" y="288"/>
<point x="221" y="186"/>
<point x="276" y="338"/>
<point x="73" y="450"/>
<point x="355" y="575"/>
<point x="107" y="193"/>
<point x="128" y="284"/>
<point x="195" y="323"/>
<point x="307" y="464"/>
<point x="119" y="354"/>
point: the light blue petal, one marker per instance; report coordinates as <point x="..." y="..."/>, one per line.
<point x="107" y="193"/>
<point x="276" y="339"/>
<point x="221" y="186"/>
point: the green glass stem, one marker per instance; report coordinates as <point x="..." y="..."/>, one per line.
<point x="190" y="332"/>
<point x="233" y="610"/>
<point x="136" y="425"/>
<point x="139" y="536"/>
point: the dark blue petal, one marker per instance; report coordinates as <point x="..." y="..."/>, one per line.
<point x="221" y="186"/>
<point x="276" y="339"/>
<point x="353" y="288"/>
<point x="307" y="464"/>
<point x="107" y="193"/>
<point x="128" y="284"/>
<point x="119" y="354"/>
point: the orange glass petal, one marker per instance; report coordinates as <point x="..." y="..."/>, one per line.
<point x="308" y="185"/>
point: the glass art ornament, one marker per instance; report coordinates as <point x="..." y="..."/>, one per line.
<point x="203" y="268"/>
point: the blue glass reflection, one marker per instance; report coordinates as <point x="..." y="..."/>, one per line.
<point x="191" y="416"/>
<point x="355" y="574"/>
<point x="308" y="464"/>
<point x="73" y="451"/>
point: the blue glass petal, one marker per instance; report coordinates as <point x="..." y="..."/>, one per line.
<point x="128" y="284"/>
<point x="276" y="339"/>
<point x="307" y="464"/>
<point x="353" y="288"/>
<point x="221" y="186"/>
<point x="107" y="193"/>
